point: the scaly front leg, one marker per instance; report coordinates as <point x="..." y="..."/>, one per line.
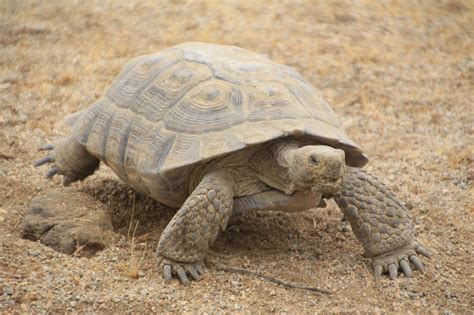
<point x="185" y="241"/>
<point x="381" y="223"/>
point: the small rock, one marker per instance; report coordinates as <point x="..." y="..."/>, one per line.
<point x="33" y="253"/>
<point x="293" y="247"/>
<point x="5" y="86"/>
<point x="3" y="213"/>
<point x="10" y="77"/>
<point x="116" y="299"/>
<point x="29" y="297"/>
<point x="237" y="306"/>
<point x="6" y="154"/>
<point x="8" y="290"/>
<point x="449" y="294"/>
<point x="345" y="18"/>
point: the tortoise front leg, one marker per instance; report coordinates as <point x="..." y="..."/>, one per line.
<point x="186" y="240"/>
<point x="381" y="223"/>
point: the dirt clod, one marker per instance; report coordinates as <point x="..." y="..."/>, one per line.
<point x="68" y="221"/>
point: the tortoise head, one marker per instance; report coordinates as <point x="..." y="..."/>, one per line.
<point x="317" y="167"/>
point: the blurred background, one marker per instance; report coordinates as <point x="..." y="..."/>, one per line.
<point x="399" y="74"/>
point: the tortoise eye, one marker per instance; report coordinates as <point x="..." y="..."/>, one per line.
<point x="313" y="159"/>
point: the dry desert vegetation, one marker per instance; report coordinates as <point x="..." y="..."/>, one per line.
<point x="400" y="76"/>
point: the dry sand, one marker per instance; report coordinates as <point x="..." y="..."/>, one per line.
<point x="399" y="74"/>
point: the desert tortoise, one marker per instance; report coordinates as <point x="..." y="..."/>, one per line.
<point x="214" y="129"/>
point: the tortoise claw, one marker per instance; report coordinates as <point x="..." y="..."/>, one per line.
<point x="185" y="272"/>
<point x="378" y="271"/>
<point x="46" y="147"/>
<point x="192" y="270"/>
<point x="393" y="271"/>
<point x="405" y="265"/>
<point x="43" y="160"/>
<point x="167" y="272"/>
<point x="423" y="251"/>
<point x="51" y="172"/>
<point x="400" y="259"/>
<point x="417" y="262"/>
<point x="46" y="160"/>
<point x="182" y="275"/>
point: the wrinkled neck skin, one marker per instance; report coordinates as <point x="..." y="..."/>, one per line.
<point x="271" y="164"/>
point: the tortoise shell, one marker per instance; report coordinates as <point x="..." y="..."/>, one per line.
<point x="168" y="112"/>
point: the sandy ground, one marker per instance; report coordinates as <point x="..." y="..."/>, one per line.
<point x="399" y="74"/>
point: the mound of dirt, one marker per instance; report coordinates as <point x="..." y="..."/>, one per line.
<point x="68" y="221"/>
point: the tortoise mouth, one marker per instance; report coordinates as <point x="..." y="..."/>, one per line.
<point x="332" y="185"/>
<point x="333" y="180"/>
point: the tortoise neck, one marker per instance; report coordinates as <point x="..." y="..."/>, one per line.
<point x="271" y="164"/>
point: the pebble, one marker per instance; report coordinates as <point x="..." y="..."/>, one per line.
<point x="293" y="247"/>
<point x="3" y="213"/>
<point x="116" y="299"/>
<point x="32" y="253"/>
<point x="449" y="294"/>
<point x="5" y="86"/>
<point x="8" y="290"/>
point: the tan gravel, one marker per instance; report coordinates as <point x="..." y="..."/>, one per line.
<point x="399" y="74"/>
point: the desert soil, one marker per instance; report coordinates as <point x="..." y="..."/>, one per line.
<point x="400" y="76"/>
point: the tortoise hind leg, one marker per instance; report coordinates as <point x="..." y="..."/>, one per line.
<point x="70" y="159"/>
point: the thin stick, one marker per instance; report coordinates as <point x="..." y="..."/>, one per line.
<point x="132" y="246"/>
<point x="131" y="217"/>
<point x="271" y="279"/>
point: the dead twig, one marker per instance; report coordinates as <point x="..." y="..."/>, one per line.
<point x="271" y="279"/>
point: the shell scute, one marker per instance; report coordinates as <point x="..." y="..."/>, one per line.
<point x="165" y="90"/>
<point x="212" y="105"/>
<point x="134" y="79"/>
<point x="272" y="101"/>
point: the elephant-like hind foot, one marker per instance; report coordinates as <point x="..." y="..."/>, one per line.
<point x="70" y="159"/>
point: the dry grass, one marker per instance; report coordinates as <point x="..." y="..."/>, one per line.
<point x="134" y="265"/>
